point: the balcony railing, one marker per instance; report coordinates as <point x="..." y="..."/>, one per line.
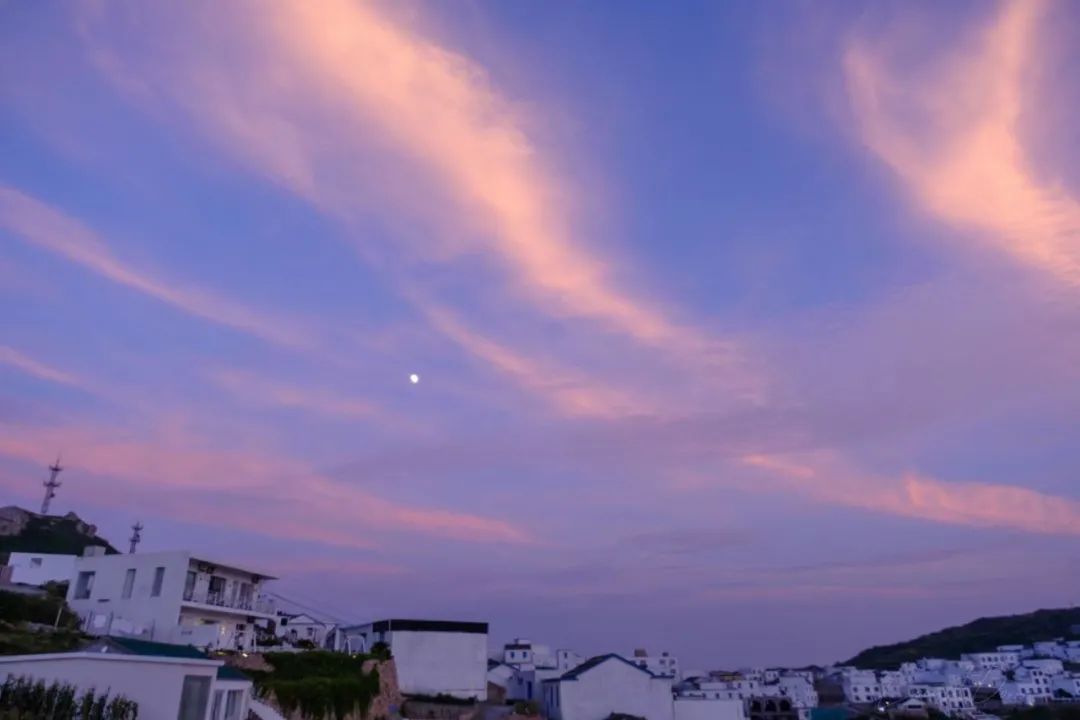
<point x="218" y="599"/>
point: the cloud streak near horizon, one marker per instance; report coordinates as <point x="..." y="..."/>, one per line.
<point x="660" y="342"/>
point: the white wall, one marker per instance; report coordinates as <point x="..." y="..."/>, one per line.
<point x="154" y="683"/>
<point x="142" y="614"/>
<point x="429" y="663"/>
<point x="40" y="568"/>
<point x="697" y="709"/>
<point x="613" y="686"/>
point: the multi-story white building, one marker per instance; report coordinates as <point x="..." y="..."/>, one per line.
<point x="949" y="699"/>
<point x="174" y="597"/>
<point x="1031" y="691"/>
<point x="525" y="652"/>
<point x="433" y="657"/>
<point x="604" y="685"/>
<point x="662" y="665"/>
<point x="1050" y="649"/>
<point x="1047" y="666"/>
<point x="688" y="708"/>
<point x="39" y="568"/>
<point x="799" y="689"/>
<point x="893" y="684"/>
<point x="860" y="686"/>
<point x="993" y="660"/>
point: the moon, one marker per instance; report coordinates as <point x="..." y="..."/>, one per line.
<point x="414" y="378"/>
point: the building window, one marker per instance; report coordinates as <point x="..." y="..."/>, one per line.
<point x="35" y="562"/>
<point x="194" y="696"/>
<point x="84" y="585"/>
<point x="129" y="583"/>
<point x="159" y="580"/>
<point x="189" y="585"/>
<point x="232" y="705"/>
<point x="215" y="711"/>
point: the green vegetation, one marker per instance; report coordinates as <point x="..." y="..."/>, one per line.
<point x="981" y="635"/>
<point x="319" y="684"/>
<point x="24" y="699"/>
<point x="527" y="708"/>
<point x="52" y="534"/>
<point x="42" y="609"/>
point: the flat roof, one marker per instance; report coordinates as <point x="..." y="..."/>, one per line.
<point x="413" y="625"/>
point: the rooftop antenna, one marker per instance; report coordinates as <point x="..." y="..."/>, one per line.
<point x="50" y="485"/>
<point x="136" y="536"/>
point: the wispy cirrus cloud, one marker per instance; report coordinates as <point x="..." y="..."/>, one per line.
<point x="13" y="358"/>
<point x="263" y="391"/>
<point x="259" y="491"/>
<point x="912" y="495"/>
<point x="345" y="106"/>
<point x="50" y="229"/>
<point x="952" y="131"/>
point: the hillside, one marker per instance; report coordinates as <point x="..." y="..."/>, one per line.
<point x="978" y="636"/>
<point x="25" y="531"/>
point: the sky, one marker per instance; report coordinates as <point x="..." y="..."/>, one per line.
<point x="745" y="331"/>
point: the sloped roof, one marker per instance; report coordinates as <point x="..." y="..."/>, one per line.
<point x="228" y="672"/>
<point x="594" y="662"/>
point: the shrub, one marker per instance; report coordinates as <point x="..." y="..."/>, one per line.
<point x="318" y="684"/>
<point x="17" y="607"/>
<point x="23" y="698"/>
<point x="528" y="708"/>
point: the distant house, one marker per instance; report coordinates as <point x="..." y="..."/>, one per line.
<point x="662" y="665"/>
<point x="605" y="685"/>
<point x="29" y="568"/>
<point x="169" y="682"/>
<point x="433" y="657"/>
<point x="176" y="597"/>
<point x="294" y="627"/>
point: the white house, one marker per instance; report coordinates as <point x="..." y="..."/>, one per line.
<point x="688" y="708"/>
<point x="1047" y="666"/>
<point x="525" y="652"/>
<point x="40" y="568"/>
<point x="1069" y="684"/>
<point x="1025" y="692"/>
<point x="949" y="699"/>
<point x="1050" y="649"/>
<point x="996" y="660"/>
<point x="527" y="682"/>
<point x="861" y="686"/>
<point x="172" y="597"/>
<point x="662" y="665"/>
<point x="432" y="656"/>
<point x="799" y="690"/>
<point x="604" y="685"/>
<point x="295" y="627"/>
<point x="168" y="682"/>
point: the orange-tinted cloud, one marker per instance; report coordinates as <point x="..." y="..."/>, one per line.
<point x="49" y="229"/>
<point x="571" y="392"/>
<point x="349" y="108"/>
<point x="962" y="503"/>
<point x="952" y="132"/>
<point x="13" y="358"/>
<point x="259" y="491"/>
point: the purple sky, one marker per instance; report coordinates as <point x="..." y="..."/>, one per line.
<point x="748" y="331"/>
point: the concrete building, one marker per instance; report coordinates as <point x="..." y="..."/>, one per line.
<point x="604" y="685"/>
<point x="993" y="660"/>
<point x="432" y="656"/>
<point x="1068" y="684"/>
<point x="949" y="699"/>
<point x="169" y="682"/>
<point x="175" y="597"/>
<point x="523" y="651"/>
<point x="662" y="665"/>
<point x="39" y="568"/>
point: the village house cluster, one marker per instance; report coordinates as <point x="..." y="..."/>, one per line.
<point x="156" y="615"/>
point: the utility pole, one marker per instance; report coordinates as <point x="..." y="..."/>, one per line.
<point x="50" y="485"/>
<point x="136" y="536"/>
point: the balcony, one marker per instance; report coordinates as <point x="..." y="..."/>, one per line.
<point x="219" y="601"/>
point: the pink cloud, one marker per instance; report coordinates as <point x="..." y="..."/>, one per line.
<point x="256" y="489"/>
<point x="267" y="392"/>
<point x="349" y="108"/>
<point x="49" y="229"/>
<point x="827" y="478"/>
<point x="13" y="358"/>
<point x="952" y="132"/>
